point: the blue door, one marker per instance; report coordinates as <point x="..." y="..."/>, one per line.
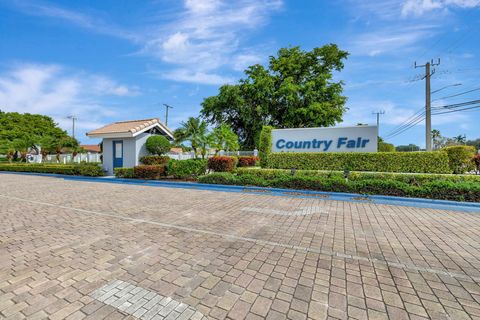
<point x="118" y="154"/>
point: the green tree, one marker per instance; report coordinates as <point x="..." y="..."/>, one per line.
<point x="438" y="139"/>
<point x="14" y="125"/>
<point x="296" y="90"/>
<point x="194" y="130"/>
<point x="158" y="145"/>
<point x="22" y="146"/>
<point x="385" y="147"/>
<point x="223" y="138"/>
<point x="460" y="139"/>
<point x="474" y="143"/>
<point x="409" y="148"/>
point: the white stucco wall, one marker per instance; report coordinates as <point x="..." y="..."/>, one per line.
<point x="133" y="150"/>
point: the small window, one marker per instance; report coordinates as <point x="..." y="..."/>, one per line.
<point x="118" y="149"/>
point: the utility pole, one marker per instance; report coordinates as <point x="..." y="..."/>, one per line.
<point x="73" y="124"/>
<point x="378" y="113"/>
<point x="428" y="101"/>
<point x="166" y="113"/>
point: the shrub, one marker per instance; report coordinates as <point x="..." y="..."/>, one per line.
<point x="419" y="162"/>
<point x="149" y="172"/>
<point x="218" y="178"/>
<point x="154" y="160"/>
<point x="157" y="145"/>
<point x="385" y="147"/>
<point x="124" y="173"/>
<point x="247" y="161"/>
<point x="265" y="145"/>
<point x="222" y="164"/>
<point x="460" y="158"/>
<point x="447" y="190"/>
<point x="182" y="169"/>
<point x="414" y="179"/>
<point x="476" y="162"/>
<point x="89" y="170"/>
<point x="68" y="169"/>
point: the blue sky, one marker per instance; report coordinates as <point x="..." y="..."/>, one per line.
<point x="105" y="62"/>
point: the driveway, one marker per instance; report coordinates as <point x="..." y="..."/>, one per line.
<point x="87" y="250"/>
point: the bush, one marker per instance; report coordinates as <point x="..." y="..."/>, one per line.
<point x="150" y="172"/>
<point x="124" y="173"/>
<point x="419" y="162"/>
<point x="460" y="158"/>
<point x="247" y="161"/>
<point x="222" y="164"/>
<point x="157" y="145"/>
<point x="182" y="169"/>
<point x="409" y="178"/>
<point x="89" y="170"/>
<point x="68" y="169"/>
<point x="265" y="145"/>
<point x="154" y="160"/>
<point x="218" y="178"/>
<point x="476" y="162"/>
<point x="446" y="190"/>
<point x="386" y="147"/>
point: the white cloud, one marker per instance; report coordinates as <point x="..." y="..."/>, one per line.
<point x="204" y="36"/>
<point x="420" y="7"/>
<point x="390" y="40"/>
<point x="56" y="91"/>
<point x="207" y="37"/>
<point x="186" y="75"/>
<point x="82" y="20"/>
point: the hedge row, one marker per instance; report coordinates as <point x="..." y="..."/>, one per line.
<point x="92" y="170"/>
<point x="409" y="178"/>
<point x="418" y="162"/>
<point x="446" y="190"/>
<point x="179" y="169"/>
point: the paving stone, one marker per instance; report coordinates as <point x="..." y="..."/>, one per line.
<point x="74" y="249"/>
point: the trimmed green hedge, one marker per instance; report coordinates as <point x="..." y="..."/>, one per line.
<point x="409" y="178"/>
<point x="123" y="173"/>
<point x="460" y="158"/>
<point x="418" y="162"/>
<point x="183" y="169"/>
<point x="265" y="145"/>
<point x="446" y="190"/>
<point x="86" y="169"/>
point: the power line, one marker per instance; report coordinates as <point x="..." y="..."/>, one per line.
<point x="419" y="116"/>
<point x="457" y="105"/>
<point x="414" y="120"/>
<point x="456" y="95"/>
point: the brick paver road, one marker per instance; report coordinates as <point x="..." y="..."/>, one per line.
<point x="84" y="250"/>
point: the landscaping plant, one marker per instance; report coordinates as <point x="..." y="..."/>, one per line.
<point x="247" y="161"/>
<point x="222" y="163"/>
<point x="150" y="172"/>
<point x="157" y="145"/>
<point x="460" y="158"/>
<point x="154" y="160"/>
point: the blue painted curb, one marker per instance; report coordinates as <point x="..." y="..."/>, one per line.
<point x="349" y="197"/>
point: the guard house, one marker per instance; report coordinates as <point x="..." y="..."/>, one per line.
<point x="124" y="142"/>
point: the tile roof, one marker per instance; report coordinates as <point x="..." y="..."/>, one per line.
<point x="124" y="126"/>
<point x="91" y="147"/>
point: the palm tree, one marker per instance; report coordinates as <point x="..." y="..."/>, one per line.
<point x="195" y="131"/>
<point x="8" y="149"/>
<point x="437" y="138"/>
<point x="460" y="139"/>
<point x="22" y="146"/>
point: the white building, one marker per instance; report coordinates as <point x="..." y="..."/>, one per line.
<point x="124" y="142"/>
